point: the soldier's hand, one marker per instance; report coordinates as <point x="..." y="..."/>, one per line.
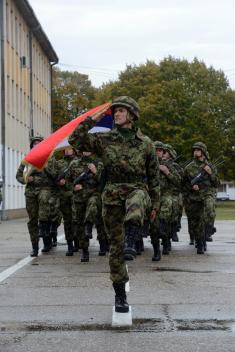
<point x="77" y="187"/>
<point x="164" y="169"/>
<point x="30" y="179"/>
<point x="208" y="169"/>
<point x="92" y="168"/>
<point x="62" y="182"/>
<point x="195" y="187"/>
<point x="153" y="215"/>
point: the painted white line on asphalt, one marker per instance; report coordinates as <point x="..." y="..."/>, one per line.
<point x="127" y="285"/>
<point x="10" y="271"/>
<point x="122" y="319"/>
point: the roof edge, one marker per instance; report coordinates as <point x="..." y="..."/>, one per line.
<point x="31" y="19"/>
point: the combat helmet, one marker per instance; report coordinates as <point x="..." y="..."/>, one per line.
<point x="34" y="139"/>
<point x="202" y="147"/>
<point x="168" y="148"/>
<point x="129" y="103"/>
<point x="158" y="145"/>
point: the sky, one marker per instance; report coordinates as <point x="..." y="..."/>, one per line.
<point x="101" y="37"/>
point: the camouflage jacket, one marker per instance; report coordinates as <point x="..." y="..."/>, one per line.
<point x="129" y="164"/>
<point x="78" y="173"/>
<point x="57" y="169"/>
<point x="206" y="187"/>
<point x="40" y="179"/>
<point x="171" y="183"/>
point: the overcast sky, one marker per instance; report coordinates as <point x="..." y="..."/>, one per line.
<point x="99" y="37"/>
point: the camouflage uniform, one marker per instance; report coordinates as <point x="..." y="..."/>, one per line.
<point x="177" y="198"/>
<point x="169" y="187"/>
<point x="131" y="172"/>
<point x="196" y="202"/>
<point x="37" y="195"/>
<point x="61" y="200"/>
<point x="86" y="203"/>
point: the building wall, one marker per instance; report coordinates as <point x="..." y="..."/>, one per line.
<point x="20" y="116"/>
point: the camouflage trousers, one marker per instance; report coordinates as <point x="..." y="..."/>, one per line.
<point x="66" y="211"/>
<point x="38" y="209"/>
<point x="87" y="211"/>
<point x="115" y="214"/>
<point x="54" y="203"/>
<point x="210" y="209"/>
<point x="195" y="211"/>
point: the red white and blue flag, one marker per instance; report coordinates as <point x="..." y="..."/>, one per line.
<point x="39" y="155"/>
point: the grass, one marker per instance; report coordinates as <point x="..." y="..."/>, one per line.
<point x="225" y="210"/>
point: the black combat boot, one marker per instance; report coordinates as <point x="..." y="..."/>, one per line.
<point x="165" y="245"/>
<point x="88" y="230"/>
<point x="121" y="305"/>
<point x="53" y="233"/>
<point x="45" y="233"/>
<point x="200" y="246"/>
<point x="138" y="247"/>
<point x="35" y="248"/>
<point x="85" y="255"/>
<point x="70" y="250"/>
<point x="75" y="244"/>
<point x="131" y="236"/>
<point x="145" y="229"/>
<point x="156" y="252"/>
<point x="174" y="235"/>
<point x="103" y="248"/>
<point x="142" y="244"/>
<point x="46" y="244"/>
<point x="209" y="231"/>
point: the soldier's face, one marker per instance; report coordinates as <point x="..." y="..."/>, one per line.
<point x="166" y="155"/>
<point x="159" y="153"/>
<point x="35" y="143"/>
<point x="120" y="115"/>
<point x="197" y="153"/>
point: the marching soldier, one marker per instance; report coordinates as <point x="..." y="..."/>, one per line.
<point x="200" y="181"/>
<point x="131" y="172"/>
<point x="37" y="195"/>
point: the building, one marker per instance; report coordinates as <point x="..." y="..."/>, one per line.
<point x="226" y="191"/>
<point x="26" y="60"/>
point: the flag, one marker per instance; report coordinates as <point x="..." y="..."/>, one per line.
<point x="39" y="155"/>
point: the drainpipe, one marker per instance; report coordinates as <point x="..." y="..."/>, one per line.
<point x="31" y="126"/>
<point x="53" y="64"/>
<point x="3" y="110"/>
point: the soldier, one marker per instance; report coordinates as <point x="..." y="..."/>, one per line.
<point x="154" y="226"/>
<point x="200" y="181"/>
<point x="85" y="173"/>
<point x="170" y="181"/>
<point x="62" y="198"/>
<point x="131" y="171"/>
<point x="177" y="200"/>
<point x="37" y="195"/>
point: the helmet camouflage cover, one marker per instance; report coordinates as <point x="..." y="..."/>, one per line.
<point x="129" y="103"/>
<point x="168" y="148"/>
<point x="34" y="139"/>
<point x="201" y="146"/>
<point x="158" y="145"/>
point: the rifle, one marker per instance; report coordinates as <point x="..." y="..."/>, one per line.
<point x="62" y="175"/>
<point x="86" y="176"/>
<point x="200" y="177"/>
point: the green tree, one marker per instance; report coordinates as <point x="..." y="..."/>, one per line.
<point x="181" y="102"/>
<point x="72" y="94"/>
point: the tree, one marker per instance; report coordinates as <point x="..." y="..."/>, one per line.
<point x="72" y="94"/>
<point x="181" y="102"/>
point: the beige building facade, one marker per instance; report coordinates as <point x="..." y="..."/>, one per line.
<point x="26" y="60"/>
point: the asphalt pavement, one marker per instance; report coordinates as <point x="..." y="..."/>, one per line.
<point x="185" y="302"/>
